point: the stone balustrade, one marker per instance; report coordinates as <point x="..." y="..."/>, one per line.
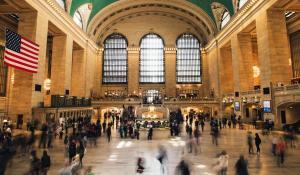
<point x="287" y="89"/>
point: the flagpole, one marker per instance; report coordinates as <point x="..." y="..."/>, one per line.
<point x="8" y="81"/>
<point x="9" y="85"/>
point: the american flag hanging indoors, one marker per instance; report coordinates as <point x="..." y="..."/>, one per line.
<point x="21" y="53"/>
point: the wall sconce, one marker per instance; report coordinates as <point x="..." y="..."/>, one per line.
<point x="256" y="71"/>
<point x="47" y="86"/>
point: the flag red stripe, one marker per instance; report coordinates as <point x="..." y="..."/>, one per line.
<point x="13" y="60"/>
<point x="30" y="41"/>
<point x="27" y="50"/>
<point x="34" y="48"/>
<point x="20" y="57"/>
<point x="30" y="56"/>
<point x="21" y="68"/>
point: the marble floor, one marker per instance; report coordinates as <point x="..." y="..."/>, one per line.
<point x="119" y="156"/>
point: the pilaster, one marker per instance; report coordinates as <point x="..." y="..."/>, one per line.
<point x="133" y="70"/>
<point x="170" y="72"/>
<point x="22" y="94"/>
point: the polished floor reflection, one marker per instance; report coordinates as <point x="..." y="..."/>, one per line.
<point x="119" y="156"/>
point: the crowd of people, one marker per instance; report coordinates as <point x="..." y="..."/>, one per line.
<point x="78" y="134"/>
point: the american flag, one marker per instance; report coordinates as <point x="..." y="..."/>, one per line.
<point x="21" y="53"/>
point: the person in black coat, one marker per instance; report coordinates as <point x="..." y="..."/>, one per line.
<point x="108" y="133"/>
<point x="241" y="166"/>
<point x="46" y="162"/>
<point x="72" y="150"/>
<point x="257" y="143"/>
<point x="35" y="165"/>
<point x="183" y="168"/>
<point x="150" y="133"/>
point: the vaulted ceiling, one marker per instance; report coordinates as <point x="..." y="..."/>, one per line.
<point x="202" y="16"/>
<point x="98" y="5"/>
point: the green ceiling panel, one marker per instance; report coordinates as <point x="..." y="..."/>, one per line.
<point x="98" y="5"/>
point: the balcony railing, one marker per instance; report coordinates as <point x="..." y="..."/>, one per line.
<point x="252" y="92"/>
<point x="287" y="88"/>
<point x="167" y="100"/>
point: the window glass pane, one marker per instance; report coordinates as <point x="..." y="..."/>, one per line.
<point x="61" y="3"/>
<point x="3" y="73"/>
<point x="188" y="61"/>
<point x="115" y="59"/>
<point x="242" y="3"/>
<point x="78" y="19"/>
<point x="225" y="18"/>
<point x="152" y="60"/>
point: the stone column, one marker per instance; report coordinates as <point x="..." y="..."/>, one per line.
<point x="273" y="53"/>
<point x="91" y="57"/>
<point x="98" y="72"/>
<point x="170" y="72"/>
<point x="273" y="47"/>
<point x="133" y="70"/>
<point x="242" y="62"/>
<point x="22" y="95"/>
<point x="78" y="73"/>
<point x="226" y="70"/>
<point x="61" y="64"/>
<point x="204" y="74"/>
<point x="213" y="64"/>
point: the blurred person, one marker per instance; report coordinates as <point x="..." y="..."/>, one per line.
<point x="202" y="124"/>
<point x="46" y="163"/>
<point x="197" y="134"/>
<point x="250" y="143"/>
<point x="192" y="146"/>
<point x="5" y="157"/>
<point x="280" y="150"/>
<point x="229" y="123"/>
<point x="104" y="126"/>
<point x="61" y="131"/>
<point x="150" y="133"/>
<point x="80" y="150"/>
<point x="241" y="166"/>
<point x="274" y="143"/>
<point x="72" y="150"/>
<point x="215" y="135"/>
<point x="183" y="168"/>
<point x="137" y="133"/>
<point x="43" y="138"/>
<point x="140" y="166"/>
<point x="108" y="133"/>
<point x="121" y="131"/>
<point x="50" y="136"/>
<point x="1" y="137"/>
<point x="70" y="168"/>
<point x="35" y="164"/>
<point x="190" y="132"/>
<point x="222" y="163"/>
<point x="257" y="143"/>
<point x="187" y="127"/>
<point x="162" y="158"/>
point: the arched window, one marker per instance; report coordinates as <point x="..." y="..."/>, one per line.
<point x="225" y="18"/>
<point x="241" y="3"/>
<point x="188" y="59"/>
<point x="78" y="19"/>
<point x="152" y="64"/>
<point x="61" y="3"/>
<point x="115" y="59"/>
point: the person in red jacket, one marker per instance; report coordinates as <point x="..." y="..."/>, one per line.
<point x="280" y="150"/>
